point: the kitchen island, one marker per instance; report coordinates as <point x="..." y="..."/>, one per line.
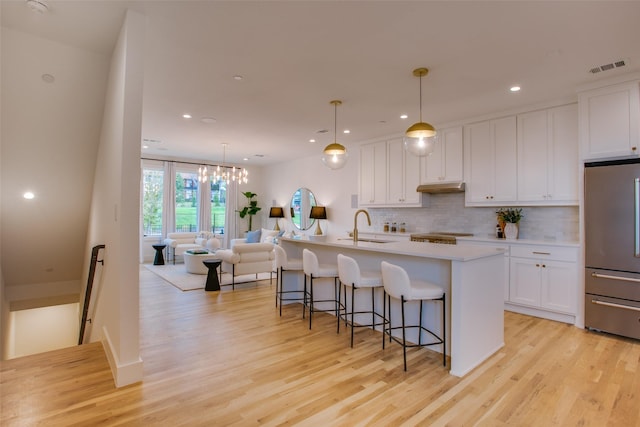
<point x="472" y="278"/>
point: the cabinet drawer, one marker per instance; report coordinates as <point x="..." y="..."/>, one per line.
<point x="557" y="253"/>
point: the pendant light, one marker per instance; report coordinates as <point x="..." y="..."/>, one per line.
<point x="420" y="138"/>
<point x="335" y="155"/>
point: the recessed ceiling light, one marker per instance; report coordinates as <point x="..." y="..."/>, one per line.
<point x="48" y="78"/>
<point x="515" y="88"/>
<point x="208" y="120"/>
<point x="245" y="159"/>
<point x="346" y="131"/>
<point x="145" y="146"/>
<point x="28" y="195"/>
<point x="312" y="140"/>
<point x="186" y="116"/>
<point x="404" y="116"/>
<point x="238" y="77"/>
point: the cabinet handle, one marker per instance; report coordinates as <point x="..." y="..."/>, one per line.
<point x="541" y="253"/>
<point x="537" y="265"/>
<point x="609" y="304"/>
<point x="633" y="148"/>
<point x="544" y="266"/>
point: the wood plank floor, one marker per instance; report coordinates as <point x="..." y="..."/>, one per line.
<point x="227" y="358"/>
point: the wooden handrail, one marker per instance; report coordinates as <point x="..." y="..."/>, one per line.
<point x="87" y="293"/>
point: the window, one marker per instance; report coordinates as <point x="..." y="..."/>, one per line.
<point x="186" y="200"/>
<point x="218" y="206"/>
<point x="152" y="197"/>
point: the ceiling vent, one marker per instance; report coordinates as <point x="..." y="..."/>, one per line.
<point x="607" y="67"/>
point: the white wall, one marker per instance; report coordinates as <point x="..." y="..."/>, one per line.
<point x="115" y="208"/>
<point x="332" y="188"/>
<point x="43" y="329"/>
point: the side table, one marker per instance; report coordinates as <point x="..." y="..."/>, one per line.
<point x="213" y="284"/>
<point x="159" y="259"/>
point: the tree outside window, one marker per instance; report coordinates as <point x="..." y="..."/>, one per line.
<point x="152" y="202"/>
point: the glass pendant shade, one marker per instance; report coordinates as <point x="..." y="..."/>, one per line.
<point x="334" y="156"/>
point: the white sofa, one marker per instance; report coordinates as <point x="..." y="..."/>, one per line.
<point x="178" y="243"/>
<point x="247" y="258"/>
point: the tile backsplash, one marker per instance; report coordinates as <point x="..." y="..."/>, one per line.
<point x="446" y="212"/>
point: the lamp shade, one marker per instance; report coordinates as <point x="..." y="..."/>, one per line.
<point x="276" y="212"/>
<point x="420" y="138"/>
<point x="318" y="212"/>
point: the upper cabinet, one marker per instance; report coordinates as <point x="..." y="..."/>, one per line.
<point x="445" y="163"/>
<point x="373" y="174"/>
<point x="490" y="161"/>
<point x="389" y="176"/>
<point x="548" y="156"/>
<point x="403" y="175"/>
<point x="610" y="121"/>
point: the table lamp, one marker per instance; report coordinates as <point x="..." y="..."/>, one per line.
<point x="318" y="213"/>
<point x="277" y="213"/>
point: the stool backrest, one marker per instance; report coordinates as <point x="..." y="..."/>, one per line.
<point x="348" y="270"/>
<point x="310" y="263"/>
<point x="281" y="256"/>
<point x="395" y="280"/>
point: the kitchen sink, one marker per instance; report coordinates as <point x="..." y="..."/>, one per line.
<point x="367" y="240"/>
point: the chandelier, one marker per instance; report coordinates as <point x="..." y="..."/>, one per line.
<point x="229" y="173"/>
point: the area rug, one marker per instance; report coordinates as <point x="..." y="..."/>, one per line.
<point x="178" y="277"/>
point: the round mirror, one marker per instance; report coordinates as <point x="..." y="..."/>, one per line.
<point x="301" y="203"/>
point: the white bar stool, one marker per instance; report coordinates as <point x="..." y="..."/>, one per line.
<point x="315" y="270"/>
<point x="397" y="285"/>
<point x="284" y="263"/>
<point x="350" y="276"/>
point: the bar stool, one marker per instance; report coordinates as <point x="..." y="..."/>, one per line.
<point x="350" y="276"/>
<point x="283" y="263"/>
<point x="398" y="285"/>
<point x="315" y="270"/>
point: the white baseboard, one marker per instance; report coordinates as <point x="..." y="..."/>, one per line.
<point x="123" y="373"/>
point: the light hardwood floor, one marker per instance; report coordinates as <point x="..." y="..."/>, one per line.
<point x="227" y="358"/>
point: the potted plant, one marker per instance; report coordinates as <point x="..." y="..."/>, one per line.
<point x="251" y="209"/>
<point x="510" y="217"/>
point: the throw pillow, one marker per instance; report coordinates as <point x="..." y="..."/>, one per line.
<point x="253" y="236"/>
<point x="267" y="236"/>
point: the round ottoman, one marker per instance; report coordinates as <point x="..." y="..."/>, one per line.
<point x="193" y="261"/>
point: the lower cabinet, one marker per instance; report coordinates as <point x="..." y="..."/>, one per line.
<point x="541" y="280"/>
<point x="544" y="277"/>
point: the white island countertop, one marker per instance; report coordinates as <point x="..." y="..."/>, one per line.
<point x="417" y="249"/>
<point x="472" y="278"/>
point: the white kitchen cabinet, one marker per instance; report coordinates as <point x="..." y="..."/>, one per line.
<point x="548" y="156"/>
<point x="403" y="174"/>
<point x="373" y="174"/>
<point x="389" y="176"/>
<point x="445" y="163"/>
<point x="610" y="121"/>
<point x="544" y="277"/>
<point x="490" y="162"/>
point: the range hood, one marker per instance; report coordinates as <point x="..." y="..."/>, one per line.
<point x="446" y="187"/>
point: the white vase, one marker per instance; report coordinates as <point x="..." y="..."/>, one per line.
<point x="511" y="231"/>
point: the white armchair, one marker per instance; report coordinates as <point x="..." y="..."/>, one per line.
<point x="247" y="258"/>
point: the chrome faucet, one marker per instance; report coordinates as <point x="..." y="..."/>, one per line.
<point x="355" y="223"/>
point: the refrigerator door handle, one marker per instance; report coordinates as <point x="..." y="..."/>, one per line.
<point x="608" y="276"/>
<point x="610" y="304"/>
<point x="636" y="217"/>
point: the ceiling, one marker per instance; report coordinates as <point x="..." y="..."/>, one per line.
<point x="294" y="57"/>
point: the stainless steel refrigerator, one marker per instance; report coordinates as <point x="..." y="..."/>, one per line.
<point x="612" y="247"/>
